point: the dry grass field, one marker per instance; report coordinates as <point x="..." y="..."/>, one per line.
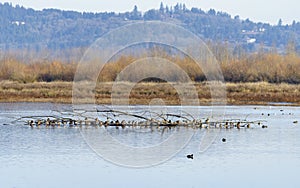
<point x="143" y="93"/>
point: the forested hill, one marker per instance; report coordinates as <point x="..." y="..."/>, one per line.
<point x="25" y="28"/>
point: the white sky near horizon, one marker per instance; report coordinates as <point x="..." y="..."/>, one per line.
<point x="268" y="11"/>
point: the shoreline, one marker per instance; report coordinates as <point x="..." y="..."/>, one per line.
<point x="260" y="93"/>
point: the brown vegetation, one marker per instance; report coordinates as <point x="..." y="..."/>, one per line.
<point x="261" y="67"/>
<point x="252" y="79"/>
<point x="42" y="71"/>
<point x="271" y="67"/>
<point x="144" y="93"/>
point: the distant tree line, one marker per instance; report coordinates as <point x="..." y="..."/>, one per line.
<point x="53" y="29"/>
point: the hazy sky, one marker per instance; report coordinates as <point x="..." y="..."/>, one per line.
<point x="257" y="10"/>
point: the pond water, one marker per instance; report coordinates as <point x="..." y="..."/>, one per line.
<point x="61" y="157"/>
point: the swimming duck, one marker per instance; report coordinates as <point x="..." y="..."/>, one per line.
<point x="86" y="121"/>
<point x="31" y="123"/>
<point x="190" y="156"/>
<point x="38" y="123"/>
<point x="47" y="122"/>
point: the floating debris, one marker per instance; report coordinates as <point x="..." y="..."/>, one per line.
<point x="108" y="118"/>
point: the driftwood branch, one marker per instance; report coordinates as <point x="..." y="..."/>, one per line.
<point x="161" y="120"/>
<point x="123" y="113"/>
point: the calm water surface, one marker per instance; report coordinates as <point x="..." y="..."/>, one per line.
<point x="61" y="158"/>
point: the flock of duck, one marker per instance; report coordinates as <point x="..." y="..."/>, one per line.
<point x="230" y="124"/>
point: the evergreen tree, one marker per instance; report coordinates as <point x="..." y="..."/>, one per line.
<point x="167" y="9"/>
<point x="136" y="15"/>
<point x="161" y="8"/>
<point x="279" y="22"/>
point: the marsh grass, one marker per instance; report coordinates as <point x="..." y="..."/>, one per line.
<point x="23" y="72"/>
<point x="260" y="67"/>
<point x="252" y="79"/>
